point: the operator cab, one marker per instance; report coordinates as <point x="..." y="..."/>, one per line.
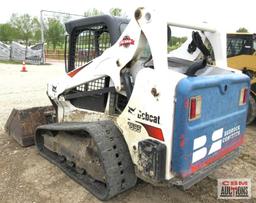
<point x="241" y="44"/>
<point x="90" y="37"/>
<point x="87" y="39"/>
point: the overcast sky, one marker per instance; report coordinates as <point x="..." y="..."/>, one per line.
<point x="229" y="14"/>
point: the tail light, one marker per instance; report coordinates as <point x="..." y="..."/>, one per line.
<point x="195" y="105"/>
<point x="243" y="96"/>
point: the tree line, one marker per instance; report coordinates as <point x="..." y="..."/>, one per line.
<point x="27" y="29"/>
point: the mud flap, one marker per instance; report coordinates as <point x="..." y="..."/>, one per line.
<point x="22" y="123"/>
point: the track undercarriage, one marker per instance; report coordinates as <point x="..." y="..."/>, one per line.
<point x="94" y="154"/>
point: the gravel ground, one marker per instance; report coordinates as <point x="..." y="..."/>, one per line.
<point x="27" y="177"/>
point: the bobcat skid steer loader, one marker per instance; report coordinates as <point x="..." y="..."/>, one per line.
<point x="127" y="109"/>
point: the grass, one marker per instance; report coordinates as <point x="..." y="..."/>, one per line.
<point x="10" y="62"/>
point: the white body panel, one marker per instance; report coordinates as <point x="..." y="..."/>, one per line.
<point x="162" y="105"/>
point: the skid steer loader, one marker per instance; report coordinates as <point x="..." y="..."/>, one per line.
<point x="126" y="109"/>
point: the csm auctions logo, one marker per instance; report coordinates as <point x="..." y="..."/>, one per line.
<point x="234" y="188"/>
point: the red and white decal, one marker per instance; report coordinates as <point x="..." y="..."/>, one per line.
<point x="74" y="72"/>
<point x="126" y="42"/>
<point x="153" y="131"/>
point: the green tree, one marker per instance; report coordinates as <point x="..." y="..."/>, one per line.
<point x="93" y="12"/>
<point x="25" y="25"/>
<point x="37" y="36"/>
<point x="115" y="11"/>
<point x="176" y="42"/>
<point x="36" y="33"/>
<point x="242" y="29"/>
<point x="55" y="32"/>
<point x="7" y="33"/>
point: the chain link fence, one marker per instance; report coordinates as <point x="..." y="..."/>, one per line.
<point x="53" y="32"/>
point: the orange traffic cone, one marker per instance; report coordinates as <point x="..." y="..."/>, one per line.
<point x="23" y="69"/>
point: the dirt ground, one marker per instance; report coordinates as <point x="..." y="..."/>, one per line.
<point x="27" y="177"/>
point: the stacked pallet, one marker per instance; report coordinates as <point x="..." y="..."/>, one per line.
<point x="18" y="52"/>
<point x="4" y="51"/>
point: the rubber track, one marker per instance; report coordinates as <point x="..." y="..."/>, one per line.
<point x="113" y="154"/>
